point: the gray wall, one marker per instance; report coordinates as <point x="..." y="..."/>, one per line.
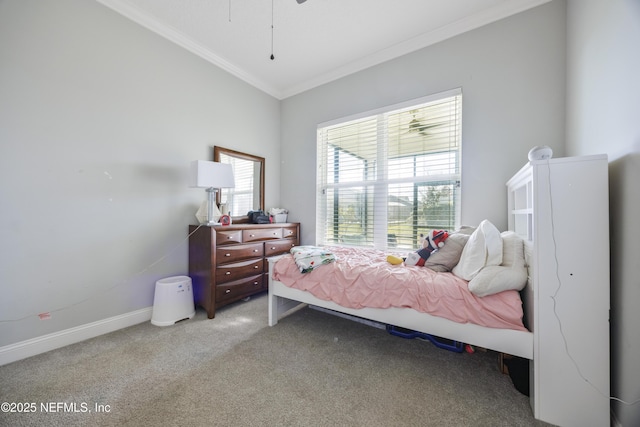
<point x="99" y="119"/>
<point x="512" y="75"/>
<point x="603" y="112"/>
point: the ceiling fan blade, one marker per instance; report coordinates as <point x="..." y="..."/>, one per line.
<point x="301" y="1"/>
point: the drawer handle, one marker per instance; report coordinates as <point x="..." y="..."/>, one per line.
<point x="227" y="273"/>
<point x="227" y="254"/>
<point x="255" y="283"/>
<point x="273" y="248"/>
<point x="227" y="291"/>
<point x="252" y="235"/>
<point x="255" y="250"/>
<point x="275" y="234"/>
<point x="228" y="237"/>
<point x="255" y="266"/>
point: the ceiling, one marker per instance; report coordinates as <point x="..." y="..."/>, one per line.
<point x="314" y="42"/>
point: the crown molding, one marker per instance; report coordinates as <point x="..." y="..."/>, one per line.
<point x="453" y="29"/>
<point x="149" y="22"/>
<point x="419" y="42"/>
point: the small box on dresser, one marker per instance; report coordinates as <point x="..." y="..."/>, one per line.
<point x="228" y="263"/>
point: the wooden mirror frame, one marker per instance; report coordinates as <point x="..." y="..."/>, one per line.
<point x="217" y="151"/>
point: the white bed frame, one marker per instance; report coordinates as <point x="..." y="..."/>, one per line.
<point x="283" y="300"/>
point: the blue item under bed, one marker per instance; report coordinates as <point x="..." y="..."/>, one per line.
<point x="446" y="344"/>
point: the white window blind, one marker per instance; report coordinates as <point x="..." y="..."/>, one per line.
<point x="388" y="176"/>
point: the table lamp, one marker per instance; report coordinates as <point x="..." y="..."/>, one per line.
<point x="212" y="176"/>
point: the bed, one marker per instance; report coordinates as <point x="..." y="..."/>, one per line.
<point x="476" y="320"/>
<point x="565" y="294"/>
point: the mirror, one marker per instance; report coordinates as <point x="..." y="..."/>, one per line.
<point x="248" y="171"/>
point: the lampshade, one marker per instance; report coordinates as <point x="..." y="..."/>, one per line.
<point x="205" y="174"/>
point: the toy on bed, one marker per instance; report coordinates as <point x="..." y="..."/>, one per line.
<point x="433" y="241"/>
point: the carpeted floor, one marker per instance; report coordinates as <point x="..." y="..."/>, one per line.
<point x="312" y="369"/>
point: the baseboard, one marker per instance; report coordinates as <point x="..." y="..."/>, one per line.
<point x="22" y="350"/>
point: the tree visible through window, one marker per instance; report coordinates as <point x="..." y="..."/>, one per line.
<point x="388" y="176"/>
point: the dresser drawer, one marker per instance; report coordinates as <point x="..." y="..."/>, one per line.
<point x="278" y="247"/>
<point x="226" y="237"/>
<point x="228" y="272"/>
<point x="261" y="234"/>
<point x="239" y="288"/>
<point x="228" y="254"/>
<point x="290" y="232"/>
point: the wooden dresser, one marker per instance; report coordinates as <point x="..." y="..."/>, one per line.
<point x="228" y="263"/>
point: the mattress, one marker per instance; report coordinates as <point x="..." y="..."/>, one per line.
<point x="360" y="278"/>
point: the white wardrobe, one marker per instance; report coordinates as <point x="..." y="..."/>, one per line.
<point x="561" y="208"/>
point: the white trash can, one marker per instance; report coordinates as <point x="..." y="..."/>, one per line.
<point x="172" y="301"/>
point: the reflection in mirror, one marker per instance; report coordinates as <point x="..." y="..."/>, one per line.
<point x="248" y="171"/>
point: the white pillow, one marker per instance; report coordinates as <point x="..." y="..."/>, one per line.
<point x="483" y="248"/>
<point x="512" y="274"/>
<point x="512" y="250"/>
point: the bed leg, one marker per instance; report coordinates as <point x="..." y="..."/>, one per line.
<point x="280" y="306"/>
<point x="273" y="310"/>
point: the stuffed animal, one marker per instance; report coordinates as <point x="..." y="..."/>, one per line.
<point x="394" y="260"/>
<point x="430" y="243"/>
<point x="435" y="240"/>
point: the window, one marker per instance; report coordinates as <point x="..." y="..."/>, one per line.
<point x="388" y="176"/>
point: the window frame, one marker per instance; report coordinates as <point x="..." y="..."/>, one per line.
<point x="379" y="230"/>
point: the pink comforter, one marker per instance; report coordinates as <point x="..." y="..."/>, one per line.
<point x="363" y="278"/>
